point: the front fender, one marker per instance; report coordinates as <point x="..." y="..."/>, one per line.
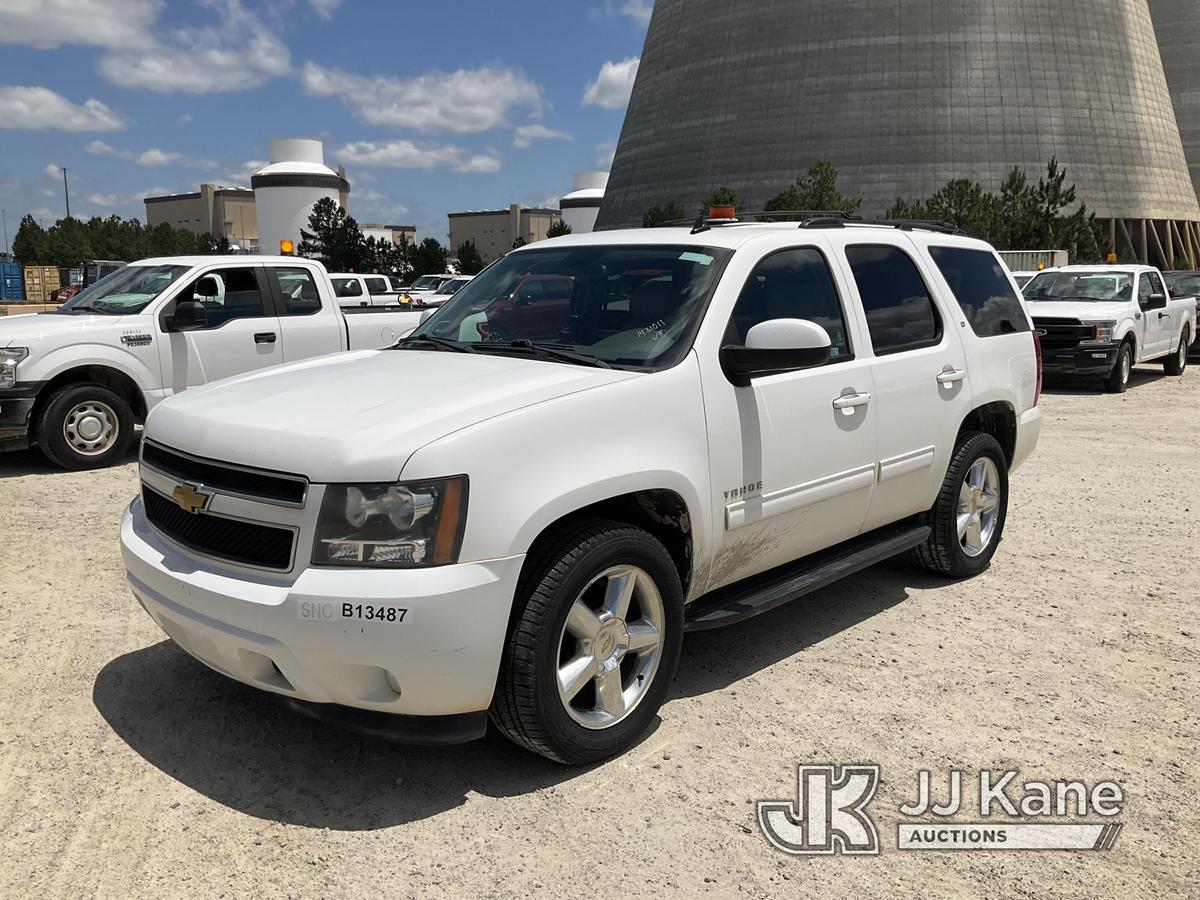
<point x="141" y="368"/>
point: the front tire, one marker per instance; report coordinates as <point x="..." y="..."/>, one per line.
<point x="967" y="519"/>
<point x="594" y="644"/>
<point x="1118" y="381"/>
<point x="85" y="426"/>
<point x="1176" y="364"/>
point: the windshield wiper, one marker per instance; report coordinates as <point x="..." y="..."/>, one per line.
<point x="439" y="343"/>
<point x="87" y="307"/>
<point x="546" y="351"/>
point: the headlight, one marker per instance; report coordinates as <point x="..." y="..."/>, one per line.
<point x="391" y="526"/>
<point x="9" y="357"/>
<point x="1104" y="331"/>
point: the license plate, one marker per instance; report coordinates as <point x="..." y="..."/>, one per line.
<point x="328" y="611"/>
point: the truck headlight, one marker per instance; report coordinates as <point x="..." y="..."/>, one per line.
<point x="391" y="526"/>
<point x="1104" y="331"/>
<point x="9" y="357"/>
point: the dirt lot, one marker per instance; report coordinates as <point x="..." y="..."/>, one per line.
<point x="128" y="769"/>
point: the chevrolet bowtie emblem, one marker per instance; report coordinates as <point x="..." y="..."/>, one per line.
<point x="190" y="498"/>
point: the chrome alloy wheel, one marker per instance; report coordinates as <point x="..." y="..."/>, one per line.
<point x="610" y="647"/>
<point x="1126" y="367"/>
<point x="979" y="507"/>
<point x="91" y="428"/>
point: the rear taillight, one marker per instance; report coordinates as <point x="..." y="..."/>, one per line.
<point x="1037" y="350"/>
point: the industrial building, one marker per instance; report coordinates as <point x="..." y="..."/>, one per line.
<point x="218" y="211"/>
<point x="497" y="231"/>
<point x="286" y="190"/>
<point x="395" y="234"/>
<point x="1177" y="24"/>
<point x="581" y="207"/>
<point x="904" y="95"/>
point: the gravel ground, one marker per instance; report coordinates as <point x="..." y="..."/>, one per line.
<point x="127" y="769"/>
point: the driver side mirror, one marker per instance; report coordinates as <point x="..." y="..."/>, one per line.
<point x="189" y="316"/>
<point x="1155" y="301"/>
<point x="776" y="347"/>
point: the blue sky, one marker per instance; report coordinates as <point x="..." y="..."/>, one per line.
<point x="432" y="107"/>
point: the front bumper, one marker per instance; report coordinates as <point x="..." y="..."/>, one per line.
<point x="16" y="408"/>
<point x="443" y="658"/>
<point x="1086" y="359"/>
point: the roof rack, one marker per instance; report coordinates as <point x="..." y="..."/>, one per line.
<point x="815" y="219"/>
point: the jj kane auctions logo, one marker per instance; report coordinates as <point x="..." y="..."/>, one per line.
<point x="829" y="814"/>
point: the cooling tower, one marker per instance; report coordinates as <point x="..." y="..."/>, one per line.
<point x="902" y="96"/>
<point x="1177" y="23"/>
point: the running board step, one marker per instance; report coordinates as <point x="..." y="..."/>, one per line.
<point x="765" y="592"/>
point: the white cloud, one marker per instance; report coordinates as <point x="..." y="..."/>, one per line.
<point x="606" y="151"/>
<point x="100" y="148"/>
<point x="639" y="10"/>
<point x="241" y="175"/>
<point x="185" y="119"/>
<point x="613" y="85"/>
<point x="461" y="102"/>
<point x="409" y="155"/>
<point x="377" y="206"/>
<point x="527" y="134"/>
<point x="46" y="24"/>
<point x="154" y="157"/>
<point x="52" y="171"/>
<point x="41" y="109"/>
<point x="324" y="8"/>
<point x="238" y="52"/>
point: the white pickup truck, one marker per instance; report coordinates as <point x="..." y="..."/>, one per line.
<point x="74" y="382"/>
<point x="1103" y="320"/>
<point x="679" y="430"/>
<point x="364" y="290"/>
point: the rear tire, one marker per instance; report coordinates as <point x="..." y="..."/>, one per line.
<point x="584" y="672"/>
<point x="967" y="519"/>
<point x="1176" y="364"/>
<point x="1118" y="381"/>
<point x="85" y="426"/>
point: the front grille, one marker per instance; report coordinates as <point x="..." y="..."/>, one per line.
<point x="283" y="489"/>
<point x="239" y="542"/>
<point x="1063" y="334"/>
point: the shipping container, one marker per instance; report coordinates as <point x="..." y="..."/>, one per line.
<point x="1034" y="260"/>
<point x="12" y="284"/>
<point x="40" y="281"/>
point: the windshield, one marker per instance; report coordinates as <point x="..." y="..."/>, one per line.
<point x="427" y="282"/>
<point x="1022" y="279"/>
<point x="126" y="291"/>
<point x="624" y="306"/>
<point x="1089" y="286"/>
<point x="1185" y="284"/>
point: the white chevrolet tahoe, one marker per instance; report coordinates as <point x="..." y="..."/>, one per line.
<point x="1103" y="320"/>
<point x="76" y="381"/>
<point x="706" y="425"/>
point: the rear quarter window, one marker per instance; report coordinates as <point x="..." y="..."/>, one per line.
<point x="984" y="293"/>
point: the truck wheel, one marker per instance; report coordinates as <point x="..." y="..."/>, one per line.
<point x="967" y="520"/>
<point x="1118" y="381"/>
<point x="85" y="426"/>
<point x="594" y="644"/>
<point x="1177" y="362"/>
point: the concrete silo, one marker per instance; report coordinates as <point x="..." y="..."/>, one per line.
<point x="286" y="190"/>
<point x="902" y="96"/>
<point x="1177" y="23"/>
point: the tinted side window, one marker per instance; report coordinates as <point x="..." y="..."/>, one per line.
<point x="347" y="287"/>
<point x="1144" y="288"/>
<point x="900" y="313"/>
<point x="300" y="296"/>
<point x="377" y="285"/>
<point x="237" y="295"/>
<point x="792" y="284"/>
<point x="982" y="289"/>
<point x="1156" y="285"/>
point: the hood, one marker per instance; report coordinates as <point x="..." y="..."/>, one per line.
<point x="22" y="330"/>
<point x="1083" y="310"/>
<point x="358" y="416"/>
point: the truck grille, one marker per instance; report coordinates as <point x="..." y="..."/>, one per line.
<point x="1062" y="334"/>
<point x="289" y="489"/>
<point x="239" y="542"/>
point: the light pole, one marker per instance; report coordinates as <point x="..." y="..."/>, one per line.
<point x="66" y="192"/>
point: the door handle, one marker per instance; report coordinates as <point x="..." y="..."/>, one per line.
<point x="1164" y="315"/>
<point x="265" y="337"/>
<point x="951" y="376"/>
<point x="848" y="403"/>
